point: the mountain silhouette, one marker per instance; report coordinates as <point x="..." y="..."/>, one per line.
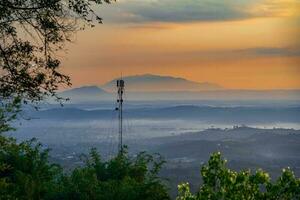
<point x="85" y="93"/>
<point x="154" y="87"/>
<point x="157" y="83"/>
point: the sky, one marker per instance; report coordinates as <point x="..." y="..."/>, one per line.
<point x="239" y="44"/>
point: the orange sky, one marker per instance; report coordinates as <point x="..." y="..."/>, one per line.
<point x="258" y="51"/>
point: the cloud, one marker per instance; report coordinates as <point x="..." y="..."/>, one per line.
<point x="278" y="8"/>
<point x="234" y="53"/>
<point x="186" y="10"/>
<point x="270" y="51"/>
<point x="142" y="11"/>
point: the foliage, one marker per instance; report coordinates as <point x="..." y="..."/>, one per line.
<point x="24" y="170"/>
<point x="31" y="32"/>
<point x="219" y="182"/>
<point x="25" y="173"/>
<point x="119" y="178"/>
<point x="8" y="112"/>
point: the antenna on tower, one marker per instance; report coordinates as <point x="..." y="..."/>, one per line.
<point x="119" y="108"/>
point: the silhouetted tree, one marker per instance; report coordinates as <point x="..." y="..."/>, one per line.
<point x="31" y="32"/>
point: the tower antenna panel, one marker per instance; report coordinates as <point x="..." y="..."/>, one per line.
<point x="120" y="87"/>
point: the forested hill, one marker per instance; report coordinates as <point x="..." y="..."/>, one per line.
<point x="206" y="113"/>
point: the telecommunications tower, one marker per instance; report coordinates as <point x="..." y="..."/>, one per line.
<point x="119" y="108"/>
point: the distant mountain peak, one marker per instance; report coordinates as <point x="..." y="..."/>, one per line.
<point x="86" y="90"/>
<point x="148" y="75"/>
<point x="155" y="83"/>
<point x="85" y="94"/>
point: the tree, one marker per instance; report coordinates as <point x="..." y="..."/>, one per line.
<point x="219" y="182"/>
<point x="121" y="178"/>
<point x="31" y="32"/>
<point x="25" y="173"/>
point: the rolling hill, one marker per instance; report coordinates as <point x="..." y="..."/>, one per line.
<point x="202" y="113"/>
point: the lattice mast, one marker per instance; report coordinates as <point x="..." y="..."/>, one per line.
<point x="121" y="87"/>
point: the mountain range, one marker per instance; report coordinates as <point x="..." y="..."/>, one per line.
<point x="154" y="87"/>
<point x="202" y="113"/>
<point x="157" y="83"/>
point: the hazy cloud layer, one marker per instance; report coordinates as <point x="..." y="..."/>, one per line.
<point x="138" y="11"/>
<point x="269" y="51"/>
<point x="234" y="53"/>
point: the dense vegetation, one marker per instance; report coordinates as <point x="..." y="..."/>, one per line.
<point x="25" y="173"/>
<point x="219" y="182"/>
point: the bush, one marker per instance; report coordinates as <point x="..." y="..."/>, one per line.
<point x="25" y="173"/>
<point x="24" y="170"/>
<point x="219" y="182"/>
<point x="119" y="178"/>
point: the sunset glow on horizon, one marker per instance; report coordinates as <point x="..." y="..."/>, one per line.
<point x="242" y="44"/>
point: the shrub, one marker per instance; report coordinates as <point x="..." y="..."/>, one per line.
<point x="219" y="182"/>
<point x="25" y="173"/>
